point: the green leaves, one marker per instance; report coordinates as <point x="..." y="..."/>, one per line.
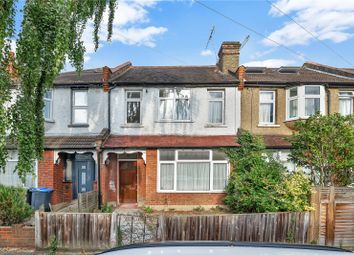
<point x="325" y="144"/>
<point x="51" y="33"/>
<point x="259" y="183"/>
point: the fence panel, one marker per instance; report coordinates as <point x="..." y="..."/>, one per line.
<point x="262" y="227"/>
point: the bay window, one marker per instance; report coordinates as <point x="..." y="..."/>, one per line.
<point x="174" y="105"/>
<point x="266" y="107"/>
<point x="346" y="102"/>
<point x="216" y="107"/>
<point x="304" y="101"/>
<point x="192" y="171"/>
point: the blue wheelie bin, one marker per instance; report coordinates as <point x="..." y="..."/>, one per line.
<point x="41" y="196"/>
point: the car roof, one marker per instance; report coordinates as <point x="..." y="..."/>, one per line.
<point x="224" y="248"/>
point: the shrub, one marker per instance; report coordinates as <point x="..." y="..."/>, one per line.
<point x="107" y="208"/>
<point x="13" y="206"/>
<point x="260" y="183"/>
<point x="148" y="209"/>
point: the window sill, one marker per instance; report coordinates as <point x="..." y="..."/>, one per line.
<point x="268" y="125"/>
<point x="132" y="126"/>
<point x="49" y="121"/>
<point x="193" y="192"/>
<point x="78" y="125"/>
<point x="174" y="121"/>
<point x="215" y="126"/>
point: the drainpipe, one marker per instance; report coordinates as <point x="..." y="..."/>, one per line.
<point x="99" y="178"/>
<point x="328" y="100"/>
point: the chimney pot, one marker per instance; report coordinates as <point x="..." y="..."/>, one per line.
<point x="229" y="56"/>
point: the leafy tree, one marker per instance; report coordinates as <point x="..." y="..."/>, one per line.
<point x="50" y="34"/>
<point x="259" y="183"/>
<point x="325" y="145"/>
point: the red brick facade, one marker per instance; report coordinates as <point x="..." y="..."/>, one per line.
<point x="51" y="175"/>
<point x="17" y="236"/>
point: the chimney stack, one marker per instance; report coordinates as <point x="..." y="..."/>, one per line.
<point x="105" y="77"/>
<point x="229" y="56"/>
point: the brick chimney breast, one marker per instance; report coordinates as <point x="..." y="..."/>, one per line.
<point x="229" y="56"/>
<point x="105" y="77"/>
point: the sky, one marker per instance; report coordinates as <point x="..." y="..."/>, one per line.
<point x="281" y="32"/>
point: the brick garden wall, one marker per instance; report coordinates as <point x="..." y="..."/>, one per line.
<point x="17" y="236"/>
<point x="173" y="199"/>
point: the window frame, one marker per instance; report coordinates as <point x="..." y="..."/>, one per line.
<point x="301" y="99"/>
<point x="273" y="101"/>
<point x="174" y="118"/>
<point x="222" y="100"/>
<point x="50" y="100"/>
<point x="74" y="107"/>
<point x="132" y="100"/>
<point x="351" y="97"/>
<point x="176" y="160"/>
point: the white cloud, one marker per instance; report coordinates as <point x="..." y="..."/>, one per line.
<point x="274" y="62"/>
<point x="130" y="26"/>
<point x="326" y="19"/>
<point x="206" y="53"/>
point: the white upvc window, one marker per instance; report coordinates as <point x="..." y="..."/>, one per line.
<point x="79" y="107"/>
<point x="174" y="105"/>
<point x="133" y="105"/>
<point x="48" y="105"/>
<point x="188" y="171"/>
<point x="304" y="101"/>
<point x="267" y="107"/>
<point x="216" y="106"/>
<point x="346" y="102"/>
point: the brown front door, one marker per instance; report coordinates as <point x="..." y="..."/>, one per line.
<point x="127" y="182"/>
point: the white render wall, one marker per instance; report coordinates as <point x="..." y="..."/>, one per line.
<point x="97" y="113"/>
<point x="150" y="125"/>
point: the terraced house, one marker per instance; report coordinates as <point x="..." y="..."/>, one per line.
<point x="151" y="136"/>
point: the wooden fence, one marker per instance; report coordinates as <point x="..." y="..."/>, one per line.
<point x="258" y="227"/>
<point x="331" y="223"/>
<point x="333" y="217"/>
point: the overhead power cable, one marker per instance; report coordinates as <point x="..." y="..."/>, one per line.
<point x="252" y="30"/>
<point x="310" y="33"/>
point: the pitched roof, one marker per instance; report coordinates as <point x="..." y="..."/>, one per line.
<point x="303" y="74"/>
<point x="170" y="141"/>
<point x="89" y="76"/>
<point x="173" y="75"/>
<point x="276" y="142"/>
<point x="70" y="142"/>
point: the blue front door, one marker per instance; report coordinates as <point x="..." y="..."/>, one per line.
<point x="83" y="176"/>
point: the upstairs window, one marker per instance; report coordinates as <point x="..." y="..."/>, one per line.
<point x="192" y="171"/>
<point x="293" y="103"/>
<point x="133" y="101"/>
<point x="48" y="105"/>
<point x="80" y="107"/>
<point x="266" y="107"/>
<point x="216" y="107"/>
<point x="174" y="105"/>
<point x="346" y="102"/>
<point x="304" y="101"/>
<point x="312" y="100"/>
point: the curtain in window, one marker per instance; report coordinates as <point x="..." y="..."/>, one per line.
<point x="133" y="112"/>
<point x="345" y="106"/>
<point x="166" y="176"/>
<point x="166" y="109"/>
<point x="80" y="116"/>
<point x="219" y="176"/>
<point x="47" y="110"/>
<point x="312" y="105"/>
<point x="194" y="176"/>
<point x="182" y="109"/>
<point x="215" y="112"/>
<point x="266" y="113"/>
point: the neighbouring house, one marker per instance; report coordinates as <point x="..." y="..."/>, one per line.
<point x="273" y="99"/>
<point x="152" y="135"/>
